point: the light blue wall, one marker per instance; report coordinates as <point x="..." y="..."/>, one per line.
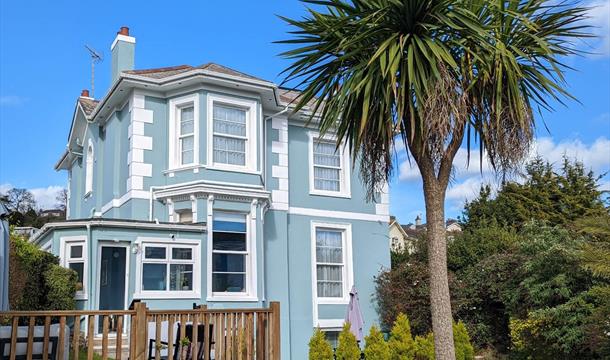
<point x="298" y="168"/>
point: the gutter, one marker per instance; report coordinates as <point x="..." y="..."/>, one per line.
<point x="115" y="223"/>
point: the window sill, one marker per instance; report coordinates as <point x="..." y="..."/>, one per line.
<point x="229" y="298"/>
<point x="239" y="169"/>
<point x="330" y="194"/>
<point x="81" y="297"/>
<point x="333" y="301"/>
<point x="194" y="167"/>
<point x="167" y="295"/>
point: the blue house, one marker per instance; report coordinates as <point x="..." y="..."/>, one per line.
<point x="201" y="184"/>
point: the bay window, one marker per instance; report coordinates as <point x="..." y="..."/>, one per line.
<point x="229" y="253"/>
<point x="232" y="133"/>
<point x="183" y="131"/>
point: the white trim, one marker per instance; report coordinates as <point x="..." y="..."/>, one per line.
<point x="281" y="196"/>
<point x="345" y="190"/>
<point x="348" y="269"/>
<point x="64" y="246"/>
<point x="118" y="202"/>
<point x="168" y="294"/>
<point x="120" y="37"/>
<point x="347" y="215"/>
<point x="175" y="104"/>
<point x="251" y="108"/>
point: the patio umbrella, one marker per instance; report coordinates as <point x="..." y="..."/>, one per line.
<point x="354" y="315"/>
<point x="4" y="250"/>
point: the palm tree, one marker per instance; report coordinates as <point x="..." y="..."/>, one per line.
<point x="433" y="74"/>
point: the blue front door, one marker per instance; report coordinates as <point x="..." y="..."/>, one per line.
<point x="112" y="281"/>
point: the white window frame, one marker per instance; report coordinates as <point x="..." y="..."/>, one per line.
<point x="348" y="274"/>
<point x="142" y="243"/>
<point x="65" y="244"/>
<point x="251" y="108"/>
<point x="251" y="285"/>
<point x="175" y="105"/>
<point x="89" y="161"/>
<point x="344" y="174"/>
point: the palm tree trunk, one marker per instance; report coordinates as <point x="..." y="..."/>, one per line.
<point x="442" y="323"/>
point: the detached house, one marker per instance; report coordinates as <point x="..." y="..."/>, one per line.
<point x="201" y="184"/>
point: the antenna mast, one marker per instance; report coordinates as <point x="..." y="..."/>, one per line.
<point x="96" y="57"/>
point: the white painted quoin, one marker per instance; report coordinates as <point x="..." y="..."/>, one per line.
<point x="201" y="184"/>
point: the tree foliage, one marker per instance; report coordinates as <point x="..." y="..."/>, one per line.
<point x="348" y="348"/>
<point x="375" y="345"/>
<point x="319" y="347"/>
<point x="537" y="286"/>
<point x="401" y="340"/>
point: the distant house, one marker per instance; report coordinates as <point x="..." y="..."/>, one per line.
<point x="402" y="237"/>
<point x="27" y="231"/>
<point x="58" y="213"/>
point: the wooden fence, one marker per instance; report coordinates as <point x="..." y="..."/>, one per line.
<point x="138" y="333"/>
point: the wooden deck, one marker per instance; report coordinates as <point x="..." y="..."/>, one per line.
<point x="227" y="334"/>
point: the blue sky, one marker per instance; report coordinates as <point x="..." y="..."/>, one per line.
<point x="44" y="65"/>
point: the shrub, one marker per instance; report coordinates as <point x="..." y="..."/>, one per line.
<point x="36" y="281"/>
<point x="376" y="347"/>
<point x="401" y="342"/>
<point x="61" y="286"/>
<point x="463" y="347"/>
<point x="423" y="347"/>
<point x="348" y="348"/>
<point x="319" y="347"/>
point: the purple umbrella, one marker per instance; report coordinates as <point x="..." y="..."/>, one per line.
<point x="354" y="315"/>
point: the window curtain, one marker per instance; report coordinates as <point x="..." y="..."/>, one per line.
<point x="329" y="258"/>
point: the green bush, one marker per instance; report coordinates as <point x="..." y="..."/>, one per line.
<point x="376" y="347"/>
<point x="61" y="286"/>
<point x="463" y="347"/>
<point x="319" y="347"/>
<point x="401" y="342"/>
<point x="36" y="281"/>
<point x="423" y="347"/>
<point x="348" y="348"/>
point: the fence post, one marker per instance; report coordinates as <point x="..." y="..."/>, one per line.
<point x="141" y="329"/>
<point x="275" y="330"/>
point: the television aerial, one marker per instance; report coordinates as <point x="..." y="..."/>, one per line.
<point x="96" y="57"/>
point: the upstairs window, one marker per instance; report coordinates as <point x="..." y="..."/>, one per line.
<point x="229" y="135"/>
<point x="186" y="138"/>
<point x="89" y="169"/>
<point x="232" y="133"/>
<point x="329" y="166"/>
<point x="183" y="131"/>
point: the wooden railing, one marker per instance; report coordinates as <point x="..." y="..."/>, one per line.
<point x="141" y="333"/>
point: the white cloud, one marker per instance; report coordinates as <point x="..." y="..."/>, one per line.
<point x="45" y="197"/>
<point x="467" y="180"/>
<point x="12" y="100"/>
<point x="599" y="20"/>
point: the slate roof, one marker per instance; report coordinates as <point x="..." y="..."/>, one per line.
<point x="160" y="73"/>
<point x="88" y="104"/>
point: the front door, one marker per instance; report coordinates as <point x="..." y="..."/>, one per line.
<point x="112" y="281"/>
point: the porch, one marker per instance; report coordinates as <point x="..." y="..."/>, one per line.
<point x="141" y="333"/>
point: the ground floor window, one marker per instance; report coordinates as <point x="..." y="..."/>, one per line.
<point x="74" y="256"/>
<point x="331" y="262"/>
<point x="168" y="268"/>
<point x="230" y="253"/>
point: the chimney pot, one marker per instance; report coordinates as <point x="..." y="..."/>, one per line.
<point x="84" y="93"/>
<point x="124" y="31"/>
